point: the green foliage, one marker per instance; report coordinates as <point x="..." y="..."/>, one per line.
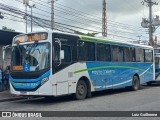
<point x="7" y="29"/>
<point x="88" y="34"/>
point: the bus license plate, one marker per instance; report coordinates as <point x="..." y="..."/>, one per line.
<point x="23" y="93"/>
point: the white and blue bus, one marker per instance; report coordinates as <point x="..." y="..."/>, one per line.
<point x="55" y="64"/>
<point x="157" y="64"/>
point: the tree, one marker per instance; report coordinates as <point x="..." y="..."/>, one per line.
<point x="8" y="29"/>
<point x="88" y="34"/>
<point x="91" y="34"/>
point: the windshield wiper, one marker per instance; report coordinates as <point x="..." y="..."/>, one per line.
<point x="20" y="52"/>
<point x="35" y="45"/>
<point x="32" y="46"/>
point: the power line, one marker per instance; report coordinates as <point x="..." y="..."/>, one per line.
<point x="77" y="21"/>
<point x="131" y="5"/>
<point x="94" y="18"/>
<point x="20" y="13"/>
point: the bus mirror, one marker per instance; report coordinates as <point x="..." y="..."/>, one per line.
<point x="62" y="54"/>
<point x="4" y="53"/>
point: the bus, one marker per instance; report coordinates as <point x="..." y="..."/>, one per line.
<point x="157" y="64"/>
<point x="55" y="64"/>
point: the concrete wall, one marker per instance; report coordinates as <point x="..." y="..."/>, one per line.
<point x="0" y="54"/>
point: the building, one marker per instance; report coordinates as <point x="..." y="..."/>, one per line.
<point x="6" y="38"/>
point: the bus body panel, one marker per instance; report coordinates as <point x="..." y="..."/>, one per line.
<point x="82" y="72"/>
<point x="27" y="86"/>
<point x="101" y="75"/>
<point x="117" y="75"/>
<point x="157" y="64"/>
<point x="66" y="79"/>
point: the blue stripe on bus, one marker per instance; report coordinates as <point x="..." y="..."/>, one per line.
<point x="112" y="77"/>
<point x="31" y="80"/>
<point x="28" y="83"/>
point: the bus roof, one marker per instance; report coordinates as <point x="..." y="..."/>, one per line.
<point x="106" y="41"/>
<point x="114" y="42"/>
<point x="100" y="40"/>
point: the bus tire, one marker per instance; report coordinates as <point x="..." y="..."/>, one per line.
<point x="81" y="90"/>
<point x="89" y="94"/>
<point x="135" y="83"/>
<point x="149" y="83"/>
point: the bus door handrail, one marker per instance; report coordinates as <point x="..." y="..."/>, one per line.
<point x="59" y="42"/>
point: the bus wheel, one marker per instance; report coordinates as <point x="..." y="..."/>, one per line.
<point x="81" y="90"/>
<point x="135" y="83"/>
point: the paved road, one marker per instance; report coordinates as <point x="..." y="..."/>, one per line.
<point x="146" y="99"/>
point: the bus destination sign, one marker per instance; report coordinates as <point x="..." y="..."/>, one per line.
<point x="31" y="37"/>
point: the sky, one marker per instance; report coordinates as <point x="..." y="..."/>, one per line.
<point x="124" y="16"/>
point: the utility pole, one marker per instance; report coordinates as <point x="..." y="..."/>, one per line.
<point x="52" y="15"/>
<point x="104" y="19"/>
<point x="31" y="6"/>
<point x="26" y="3"/>
<point x="139" y="40"/>
<point x="150" y="21"/>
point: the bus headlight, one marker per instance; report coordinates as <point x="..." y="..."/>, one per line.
<point x="44" y="80"/>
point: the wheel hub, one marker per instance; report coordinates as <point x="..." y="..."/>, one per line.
<point x="81" y="89"/>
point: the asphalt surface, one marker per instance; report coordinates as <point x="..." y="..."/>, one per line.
<point x="145" y="99"/>
<point x="7" y="96"/>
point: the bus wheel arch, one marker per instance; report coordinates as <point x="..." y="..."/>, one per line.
<point x="135" y="82"/>
<point x="137" y="76"/>
<point x="88" y="87"/>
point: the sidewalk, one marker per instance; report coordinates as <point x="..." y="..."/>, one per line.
<point x="6" y="96"/>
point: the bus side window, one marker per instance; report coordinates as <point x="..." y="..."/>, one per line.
<point x="86" y="51"/>
<point x="139" y="55"/>
<point x="120" y="54"/>
<point x="91" y="51"/>
<point x="100" y="52"/>
<point x="148" y="55"/>
<point x="132" y="55"/>
<point x="117" y="53"/>
<point x="107" y="53"/>
<point x="82" y="54"/>
<point x="103" y="52"/>
<point x="127" y="54"/>
<point x="67" y="53"/>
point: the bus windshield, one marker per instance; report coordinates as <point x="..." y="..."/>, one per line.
<point x="31" y="57"/>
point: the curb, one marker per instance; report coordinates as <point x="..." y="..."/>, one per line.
<point x="12" y="99"/>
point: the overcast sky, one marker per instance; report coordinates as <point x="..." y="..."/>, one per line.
<point x="124" y="16"/>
